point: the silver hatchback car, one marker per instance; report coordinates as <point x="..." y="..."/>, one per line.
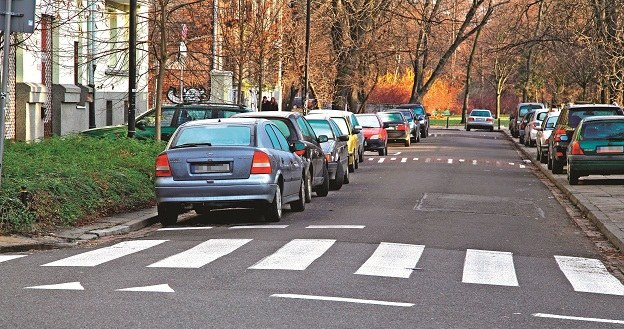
<point x="227" y="163"/>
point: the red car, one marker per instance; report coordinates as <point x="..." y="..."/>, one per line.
<point x="375" y="136"/>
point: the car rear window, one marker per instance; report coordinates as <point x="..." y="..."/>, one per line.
<point x="602" y="130"/>
<point x="215" y="135"/>
<point x="418" y="111"/>
<point x="369" y="121"/>
<point x="285" y="128"/>
<point x="408" y="115"/>
<point x="550" y="123"/>
<point x="576" y="115"/>
<point x="524" y="109"/>
<point x="480" y="114"/>
<point x="342" y="124"/>
<point x="322" y="127"/>
<point x="541" y="116"/>
<point x="391" y="117"/>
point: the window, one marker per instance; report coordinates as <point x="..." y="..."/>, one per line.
<point x="342" y="124"/>
<point x="322" y="127"/>
<point x="369" y="121"/>
<point x="281" y="139"/>
<point x="391" y="117"/>
<point x="285" y="129"/>
<point x="273" y="137"/>
<point x="215" y="135"/>
<point x="308" y="134"/>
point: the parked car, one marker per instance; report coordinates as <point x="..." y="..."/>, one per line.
<point x="336" y="150"/>
<point x="516" y="118"/>
<point x="421" y="115"/>
<point x="413" y="123"/>
<point x="172" y="116"/>
<point x="348" y="124"/>
<point x="596" y="148"/>
<point x="296" y="128"/>
<point x="397" y="126"/>
<point x="225" y="163"/>
<point x="543" y="133"/>
<point x="480" y="119"/>
<point x="375" y="136"/>
<point x="535" y="120"/>
<point x="523" y="124"/>
<point x="570" y="116"/>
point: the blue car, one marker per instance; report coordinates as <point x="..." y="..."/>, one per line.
<point x="227" y="163"/>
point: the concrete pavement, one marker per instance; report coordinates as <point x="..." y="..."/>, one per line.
<point x="601" y="203"/>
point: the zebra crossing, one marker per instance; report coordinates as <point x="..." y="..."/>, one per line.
<point x="522" y="164"/>
<point x="391" y="260"/>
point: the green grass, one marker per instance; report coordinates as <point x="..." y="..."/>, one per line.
<point x="74" y="179"/>
<point x="456" y="121"/>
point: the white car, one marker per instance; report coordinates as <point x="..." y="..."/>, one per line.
<point x="480" y="119"/>
<point x="530" y="131"/>
<point x="543" y="133"/>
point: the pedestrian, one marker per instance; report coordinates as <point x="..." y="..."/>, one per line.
<point x="273" y="105"/>
<point x="264" y="106"/>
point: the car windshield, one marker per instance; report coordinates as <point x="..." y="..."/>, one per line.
<point x="391" y="117"/>
<point x="418" y="111"/>
<point x="524" y="109"/>
<point x="166" y="118"/>
<point x="408" y="116"/>
<point x="369" y="121"/>
<point x="550" y="123"/>
<point x="321" y="127"/>
<point x="576" y="115"/>
<point x="342" y="124"/>
<point x="541" y="116"/>
<point x="214" y="135"/>
<point x="603" y="130"/>
<point x="480" y="113"/>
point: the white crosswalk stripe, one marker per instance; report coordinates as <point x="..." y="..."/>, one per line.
<point x="296" y="255"/>
<point x="4" y="258"/>
<point x="589" y="275"/>
<point x="107" y="254"/>
<point x="392" y="260"/>
<point x="489" y="267"/>
<point x="202" y="254"/>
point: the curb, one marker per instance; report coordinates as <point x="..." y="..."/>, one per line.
<point x="613" y="233"/>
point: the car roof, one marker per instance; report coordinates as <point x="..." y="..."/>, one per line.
<point x="268" y="114"/>
<point x="245" y="121"/>
<point x="574" y="106"/>
<point x="410" y="105"/>
<point x="207" y="106"/>
<point x="331" y="112"/>
<point x="604" y="118"/>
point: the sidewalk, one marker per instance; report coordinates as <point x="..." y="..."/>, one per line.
<point x="603" y="204"/>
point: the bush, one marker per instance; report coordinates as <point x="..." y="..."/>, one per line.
<point x="74" y="179"/>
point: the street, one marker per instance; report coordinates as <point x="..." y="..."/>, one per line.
<point x="453" y="232"/>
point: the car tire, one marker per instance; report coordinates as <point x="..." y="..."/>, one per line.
<point x="336" y="184"/>
<point x="467" y="128"/>
<point x="381" y="152"/>
<point x="346" y="177"/>
<point x="557" y="166"/>
<point x="424" y="133"/>
<point x="323" y="190"/>
<point x="549" y="161"/>
<point x="361" y="156"/>
<point x="299" y="205"/>
<point x="351" y="166"/>
<point x="356" y="163"/>
<point x="521" y="140"/>
<point x="308" y="187"/>
<point x="573" y="177"/>
<point x="273" y="211"/>
<point x="492" y="129"/>
<point x="407" y="142"/>
<point x="168" y="214"/>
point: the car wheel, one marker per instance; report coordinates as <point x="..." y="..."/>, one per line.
<point x="299" y="204"/>
<point x="361" y="157"/>
<point x="549" y="161"/>
<point x="424" y="133"/>
<point x="273" y="211"/>
<point x="168" y="214"/>
<point x="323" y="190"/>
<point x="346" y="176"/>
<point x="308" y="187"/>
<point x="380" y="152"/>
<point x="492" y="129"/>
<point x="351" y="165"/>
<point x="521" y="140"/>
<point x="407" y="142"/>
<point x="557" y="166"/>
<point x="356" y="163"/>
<point x="336" y="184"/>
<point x="573" y="177"/>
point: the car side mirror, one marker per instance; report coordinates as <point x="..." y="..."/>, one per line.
<point x="297" y="146"/>
<point x="140" y="125"/>
<point x="343" y="138"/>
<point x="322" y="139"/>
<point x="357" y="129"/>
<point x="386" y="125"/>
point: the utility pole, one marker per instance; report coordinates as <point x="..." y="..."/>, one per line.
<point x="215" y="35"/>
<point x="132" y="70"/>
<point x="306" y="77"/>
<point x="90" y="61"/>
<point x="5" y="79"/>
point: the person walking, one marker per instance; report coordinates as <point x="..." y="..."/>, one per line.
<point x="265" y="105"/>
<point x="273" y="105"/>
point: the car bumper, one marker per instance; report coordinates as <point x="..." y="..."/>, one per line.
<point x="216" y="193"/>
<point x="398" y="134"/>
<point x="597" y="165"/>
<point x="480" y="125"/>
<point x="332" y="167"/>
<point x="374" y="144"/>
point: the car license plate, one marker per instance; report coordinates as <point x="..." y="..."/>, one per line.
<point x="480" y="119"/>
<point x="390" y="128"/>
<point x="609" y="149"/>
<point x="204" y="168"/>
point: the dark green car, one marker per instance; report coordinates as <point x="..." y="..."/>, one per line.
<point x="171" y="118"/>
<point x="596" y="148"/>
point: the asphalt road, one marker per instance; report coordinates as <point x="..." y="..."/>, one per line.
<point x="454" y="232"/>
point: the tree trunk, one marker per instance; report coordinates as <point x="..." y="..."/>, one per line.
<point x="162" y="61"/>
<point x="468" y="70"/>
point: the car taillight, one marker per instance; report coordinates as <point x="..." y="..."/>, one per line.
<point x="576" y="148"/>
<point x="261" y="163"/>
<point x="300" y="153"/>
<point x="328" y="157"/>
<point x="401" y="127"/>
<point x="162" y="166"/>
<point x="470" y="119"/>
<point x="489" y="119"/>
<point x="535" y="124"/>
<point x="560" y="135"/>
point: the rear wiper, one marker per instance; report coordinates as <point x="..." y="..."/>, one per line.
<point x="190" y="145"/>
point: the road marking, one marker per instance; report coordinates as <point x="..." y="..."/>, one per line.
<point x="522" y="166"/>
<point x="155" y="288"/>
<point x="103" y="255"/>
<point x="392" y="159"/>
<point x="439" y="159"/>
<point x="428" y="160"/>
<point x="589" y="275"/>
<point x="394" y="260"/>
<point x="257" y="226"/>
<point x="4" y="258"/>
<point x="336" y="226"/>
<point x="296" y="255"/>
<point x="60" y="286"/>
<point x="512" y="164"/>
<point x="381" y="160"/>
<point x="462" y="160"/>
<point x="398" y="153"/>
<point x="404" y="160"/>
<point x="371" y="159"/>
<point x="526" y="161"/>
<point x="415" y="159"/>
<point x="450" y="161"/>
<point x="489" y="267"/>
<point x="345" y="300"/>
<point x="201" y="254"/>
<point x="576" y="318"/>
<point x="498" y="163"/>
<point x="474" y="162"/>
<point x="184" y="228"/>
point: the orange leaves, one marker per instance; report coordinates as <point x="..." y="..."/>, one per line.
<point x="443" y="95"/>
